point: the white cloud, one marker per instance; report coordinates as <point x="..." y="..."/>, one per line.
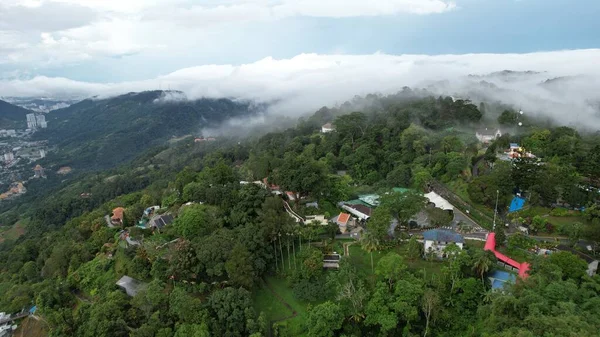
<point x="308" y="81"/>
<point x="58" y="32"/>
<point x="350" y="8"/>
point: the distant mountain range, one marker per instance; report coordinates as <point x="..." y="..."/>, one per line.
<point x="102" y="133"/>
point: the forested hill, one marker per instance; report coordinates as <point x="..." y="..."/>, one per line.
<point x="102" y="133"/>
<point x="12" y="116"/>
<point x="234" y="263"/>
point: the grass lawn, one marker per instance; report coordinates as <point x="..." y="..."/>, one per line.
<point x="567" y="220"/>
<point x="267" y="302"/>
<point x="516" y="254"/>
<point x="362" y="260"/>
<point x="32" y="328"/>
<point x="475" y="244"/>
<point x="12" y="232"/>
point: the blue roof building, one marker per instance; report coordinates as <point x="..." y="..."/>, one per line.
<point x="436" y="240"/>
<point x="516" y="204"/>
<point x="500" y="279"/>
<point x="442" y="235"/>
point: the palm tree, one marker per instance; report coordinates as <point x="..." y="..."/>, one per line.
<point x="369" y="243"/>
<point x="488" y="296"/>
<point x="483" y="263"/>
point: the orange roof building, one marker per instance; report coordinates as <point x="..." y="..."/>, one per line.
<point x="343" y="219"/>
<point x="117" y="217"/>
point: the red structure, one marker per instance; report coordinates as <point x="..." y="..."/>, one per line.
<point x="490" y="244"/>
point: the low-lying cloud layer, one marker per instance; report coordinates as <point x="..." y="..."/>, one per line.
<point x="306" y="82"/>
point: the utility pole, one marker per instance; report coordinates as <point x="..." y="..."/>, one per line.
<point x="495" y="210"/>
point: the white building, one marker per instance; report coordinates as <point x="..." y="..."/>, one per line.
<point x="327" y="128"/>
<point x="31" y="121"/>
<point x="486" y="136"/>
<point x="9" y="157"/>
<point x="436" y="240"/>
<point x="320" y="219"/>
<point x="8" y="133"/>
<point x="41" y="121"/>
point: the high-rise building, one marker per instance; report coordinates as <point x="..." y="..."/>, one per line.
<point x="31" y="121"/>
<point x="41" y="121"/>
<point x="9" y="157"/>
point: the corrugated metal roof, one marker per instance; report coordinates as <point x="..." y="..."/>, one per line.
<point x="443" y="235"/>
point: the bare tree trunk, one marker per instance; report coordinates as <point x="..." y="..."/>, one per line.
<point x="275" y="250"/>
<point x="281" y="251"/>
<point x="288" y="249"/>
<point x="294" y="248"/>
<point x="372" y="269"/>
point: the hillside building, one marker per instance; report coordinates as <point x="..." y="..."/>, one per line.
<point x="38" y="171"/>
<point x="9" y="157"/>
<point x="41" y="121"/>
<point x="436" y="241"/>
<point x="36" y="121"/>
<point x="31" y="121"/>
<point x="326" y="128"/>
<point x="117" y="216"/>
<point x="487" y="136"/>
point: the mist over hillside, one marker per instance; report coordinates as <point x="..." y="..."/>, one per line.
<point x="562" y="85"/>
<point x="101" y="133"/>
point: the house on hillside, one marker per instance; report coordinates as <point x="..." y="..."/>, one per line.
<point x="272" y="187"/>
<point x="202" y="139"/>
<point x="320" y="219"/>
<point x="326" y="128"/>
<point x="487" y="136"/>
<point x="516" y="151"/>
<point x="38" y="171"/>
<point x="290" y="195"/>
<point x="343" y="220"/>
<point x="436" y="240"/>
<point x="117" y="216"/>
<point x="158" y="222"/>
<point x="130" y="285"/>
<point x="129" y="241"/>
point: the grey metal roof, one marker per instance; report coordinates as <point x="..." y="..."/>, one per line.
<point x="443" y="235"/>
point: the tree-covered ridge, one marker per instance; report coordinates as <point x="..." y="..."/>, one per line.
<point x="210" y="271"/>
<point x="12" y="116"/>
<point x="103" y="133"/>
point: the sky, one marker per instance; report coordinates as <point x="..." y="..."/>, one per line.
<point x="127" y="40"/>
<point x="327" y="50"/>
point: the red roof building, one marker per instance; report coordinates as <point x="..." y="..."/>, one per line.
<point x="490" y="244"/>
